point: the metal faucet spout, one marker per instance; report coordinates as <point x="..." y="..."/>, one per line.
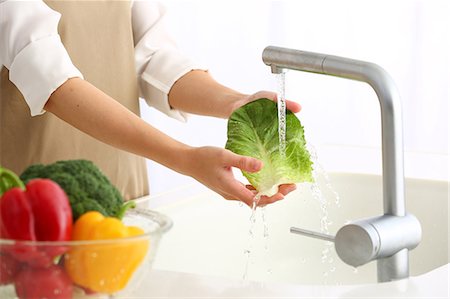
<point x="391" y="115"/>
<point x="394" y="266"/>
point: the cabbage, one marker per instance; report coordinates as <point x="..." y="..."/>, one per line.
<point x="253" y="131"/>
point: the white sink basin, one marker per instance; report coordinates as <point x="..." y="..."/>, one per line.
<point x="210" y="235"/>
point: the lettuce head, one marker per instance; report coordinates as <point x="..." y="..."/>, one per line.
<point x="253" y="131"/>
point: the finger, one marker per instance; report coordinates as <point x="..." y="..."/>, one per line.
<point x="265" y="94"/>
<point x="293" y="106"/>
<point x="250" y="187"/>
<point x="283" y="189"/>
<point x="230" y="197"/>
<point x="244" y="163"/>
<point x="286" y="188"/>
<point x="265" y="200"/>
<point x="290" y="105"/>
<point x="237" y="190"/>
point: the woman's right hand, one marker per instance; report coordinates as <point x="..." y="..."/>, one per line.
<point x="212" y="166"/>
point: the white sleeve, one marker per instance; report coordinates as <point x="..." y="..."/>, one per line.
<point x="31" y="49"/>
<point x="159" y="64"/>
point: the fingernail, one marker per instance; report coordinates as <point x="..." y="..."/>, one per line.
<point x="256" y="165"/>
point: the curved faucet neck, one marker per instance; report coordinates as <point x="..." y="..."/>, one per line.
<point x="280" y="59"/>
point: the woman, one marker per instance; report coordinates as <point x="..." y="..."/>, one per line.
<point x="87" y="62"/>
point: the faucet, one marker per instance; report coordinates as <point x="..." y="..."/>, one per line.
<point x="389" y="237"/>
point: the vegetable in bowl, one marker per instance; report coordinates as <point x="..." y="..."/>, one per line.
<point x="86" y="186"/>
<point x="43" y="254"/>
<point x="253" y="131"/>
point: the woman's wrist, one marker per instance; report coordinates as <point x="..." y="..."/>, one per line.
<point x="197" y="92"/>
<point x="181" y="159"/>
<point x="234" y="102"/>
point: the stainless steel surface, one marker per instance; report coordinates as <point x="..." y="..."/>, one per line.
<point x="357" y="244"/>
<point x="394" y="266"/>
<point x="360" y="242"/>
<point x="380" y="237"/>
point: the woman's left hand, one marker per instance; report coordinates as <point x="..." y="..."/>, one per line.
<point x="290" y="105"/>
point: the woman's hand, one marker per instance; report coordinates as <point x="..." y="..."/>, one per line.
<point x="212" y="166"/>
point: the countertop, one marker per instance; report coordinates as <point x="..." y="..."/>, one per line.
<point x="167" y="284"/>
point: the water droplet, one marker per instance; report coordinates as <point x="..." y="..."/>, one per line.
<point x="248" y="250"/>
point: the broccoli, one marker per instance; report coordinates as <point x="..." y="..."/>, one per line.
<point x="86" y="186"/>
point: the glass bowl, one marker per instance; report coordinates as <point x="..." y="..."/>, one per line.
<point x="82" y="269"/>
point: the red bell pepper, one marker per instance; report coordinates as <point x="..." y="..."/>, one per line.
<point x="41" y="283"/>
<point x="38" y="212"/>
<point x="9" y="267"/>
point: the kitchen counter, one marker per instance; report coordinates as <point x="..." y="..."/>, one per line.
<point x="167" y="284"/>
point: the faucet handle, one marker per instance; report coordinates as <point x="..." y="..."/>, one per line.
<point x="312" y="234"/>
<point x="356" y="244"/>
<point x="365" y="240"/>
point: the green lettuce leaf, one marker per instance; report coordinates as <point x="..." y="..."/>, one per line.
<point x="253" y="131"/>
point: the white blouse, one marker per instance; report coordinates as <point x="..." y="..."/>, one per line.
<point x="38" y="63"/>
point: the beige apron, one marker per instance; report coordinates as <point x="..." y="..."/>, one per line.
<point x="99" y="39"/>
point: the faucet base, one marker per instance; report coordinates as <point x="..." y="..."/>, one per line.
<point x="394" y="267"/>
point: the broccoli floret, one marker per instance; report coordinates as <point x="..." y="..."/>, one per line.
<point x="86" y="186"/>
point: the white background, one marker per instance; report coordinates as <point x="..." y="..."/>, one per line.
<point x="410" y="39"/>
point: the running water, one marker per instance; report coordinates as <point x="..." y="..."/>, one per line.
<point x="249" y="248"/>
<point x="315" y="190"/>
<point x="266" y="238"/>
<point x="281" y="105"/>
<point x="318" y="194"/>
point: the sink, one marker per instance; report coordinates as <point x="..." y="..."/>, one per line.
<point x="214" y="233"/>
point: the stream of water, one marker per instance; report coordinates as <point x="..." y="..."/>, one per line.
<point x="281" y="105"/>
<point x="316" y="192"/>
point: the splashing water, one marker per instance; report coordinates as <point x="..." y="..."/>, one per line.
<point x="251" y="235"/>
<point x="318" y="194"/>
<point x="248" y="250"/>
<point x="266" y="237"/>
<point x="281" y="105"/>
<point x="321" y="195"/>
<point x="315" y="190"/>
<point x="320" y="171"/>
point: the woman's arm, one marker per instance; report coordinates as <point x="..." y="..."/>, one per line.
<point x="198" y="93"/>
<point x="90" y="110"/>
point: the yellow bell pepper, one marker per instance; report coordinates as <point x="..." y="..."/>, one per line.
<point x="104" y="267"/>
